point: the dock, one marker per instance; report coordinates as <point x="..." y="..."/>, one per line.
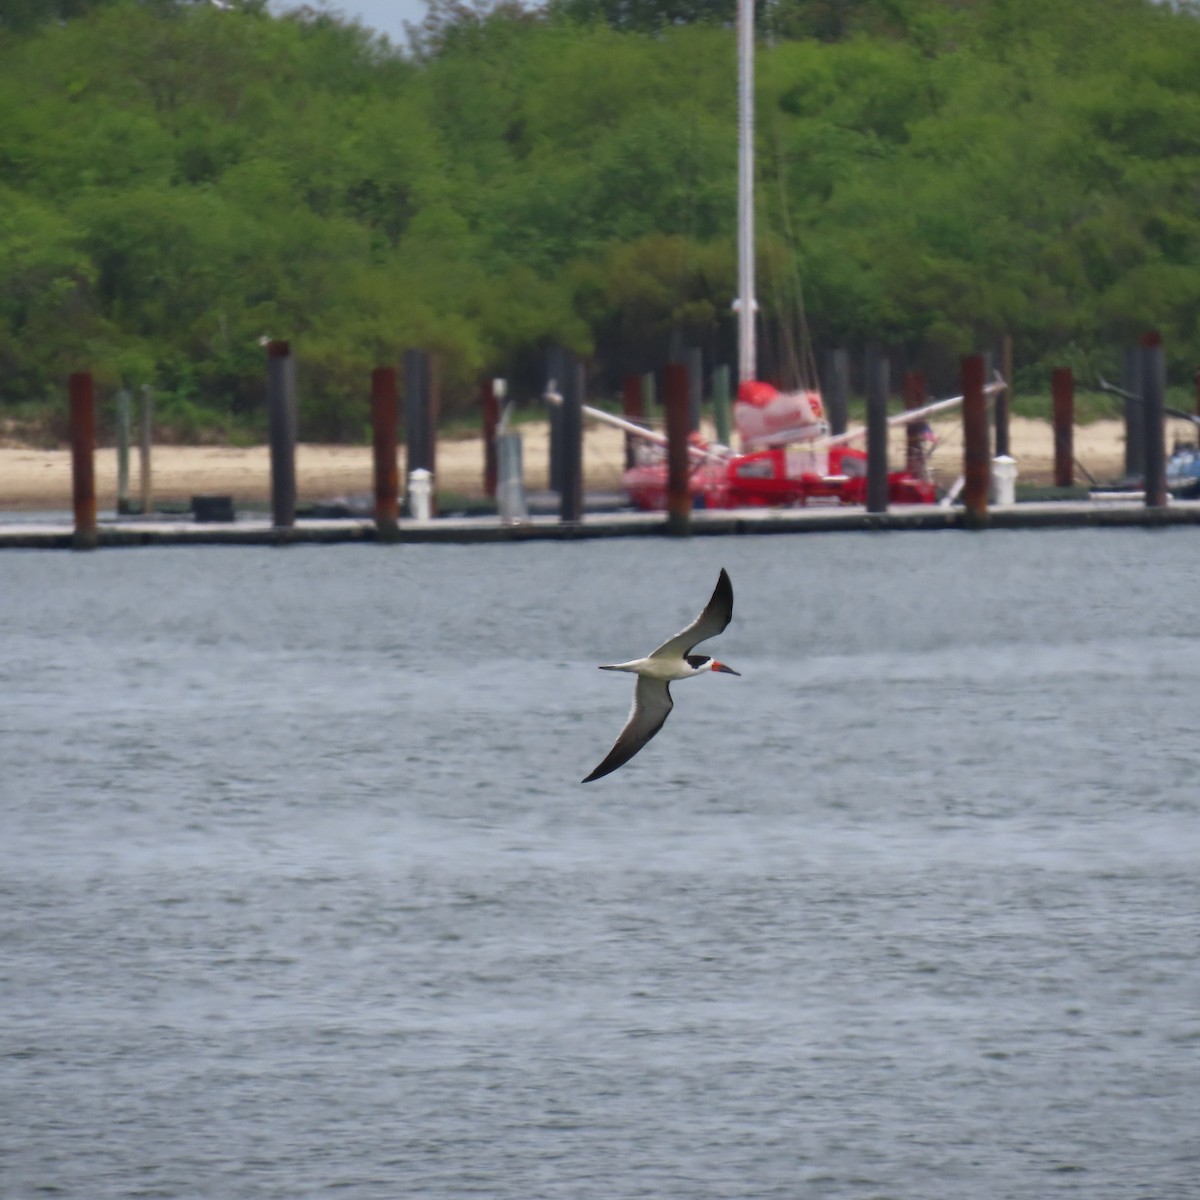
<point x="55" y="532"/>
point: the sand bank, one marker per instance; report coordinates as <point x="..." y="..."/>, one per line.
<point x="41" y="479"/>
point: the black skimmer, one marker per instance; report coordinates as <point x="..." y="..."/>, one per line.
<point x="659" y="669"/>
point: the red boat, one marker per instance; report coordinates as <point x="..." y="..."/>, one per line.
<point x="790" y="460"/>
<point x="788" y="456"/>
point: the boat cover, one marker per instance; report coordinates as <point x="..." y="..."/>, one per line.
<point x="765" y="416"/>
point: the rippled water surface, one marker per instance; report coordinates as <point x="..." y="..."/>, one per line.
<point x="302" y="896"/>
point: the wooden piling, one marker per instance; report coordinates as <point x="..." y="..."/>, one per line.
<point x="417" y="409"/>
<point x="1062" y="384"/>
<point x="914" y="443"/>
<point x="721" y="409"/>
<point x="145" y="443"/>
<point x="1154" y="389"/>
<point x="877" y="430"/>
<point x="570" y="496"/>
<point x="281" y="418"/>
<point x="1003" y="402"/>
<point x="489" y="403"/>
<point x="384" y="442"/>
<point x="123" y="432"/>
<point x="632" y="410"/>
<point x="649" y="395"/>
<point x="679" y="495"/>
<point x="837" y="390"/>
<point x="976" y="459"/>
<point x="83" y="466"/>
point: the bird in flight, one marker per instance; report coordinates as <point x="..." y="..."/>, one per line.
<point x="659" y="669"/>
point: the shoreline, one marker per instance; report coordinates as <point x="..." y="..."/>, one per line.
<point x="32" y="479"/>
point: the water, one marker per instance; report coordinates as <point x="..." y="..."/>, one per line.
<point x="301" y="895"/>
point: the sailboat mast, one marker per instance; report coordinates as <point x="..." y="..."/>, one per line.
<point x="747" y="305"/>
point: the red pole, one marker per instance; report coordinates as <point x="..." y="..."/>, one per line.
<point x="384" y="410"/>
<point x="435" y="415"/>
<point x="976" y="468"/>
<point x="491" y="418"/>
<point x="679" y="495"/>
<point x="631" y="405"/>
<point x="83" y="468"/>
<point x="1063" y="385"/>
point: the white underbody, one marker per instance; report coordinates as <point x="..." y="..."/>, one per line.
<point x="667" y="669"/>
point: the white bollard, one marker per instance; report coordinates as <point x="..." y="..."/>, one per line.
<point x="420" y="493"/>
<point x="1004" y="480"/>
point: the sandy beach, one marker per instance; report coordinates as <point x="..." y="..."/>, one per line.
<point x="33" y="479"/>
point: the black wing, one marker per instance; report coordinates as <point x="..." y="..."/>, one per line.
<point x="651" y="706"/>
<point x="716" y="615"/>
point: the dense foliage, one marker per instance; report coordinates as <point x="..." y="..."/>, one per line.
<point x="179" y="180"/>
